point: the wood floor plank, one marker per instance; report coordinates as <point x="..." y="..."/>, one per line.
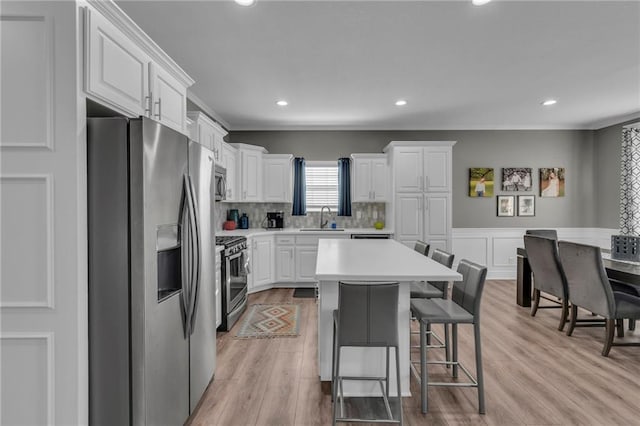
<point x="534" y="374"/>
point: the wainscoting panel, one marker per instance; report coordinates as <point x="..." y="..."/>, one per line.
<point x="27" y="365"/>
<point x="27" y="236"/>
<point x="496" y="247"/>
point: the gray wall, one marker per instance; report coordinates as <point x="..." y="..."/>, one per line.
<point x="607" y="172"/>
<point x="572" y="149"/>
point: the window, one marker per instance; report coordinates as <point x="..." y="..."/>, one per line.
<point x="322" y="184"/>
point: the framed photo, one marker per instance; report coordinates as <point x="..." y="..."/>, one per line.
<point x="516" y="179"/>
<point x="506" y="205"/>
<point x="480" y="182"/>
<point x="552" y="182"/>
<point x="526" y="205"/>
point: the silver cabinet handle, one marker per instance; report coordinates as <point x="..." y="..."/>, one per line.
<point x="426" y="182"/>
<point x="159" y="113"/>
<point x="373" y="197"/>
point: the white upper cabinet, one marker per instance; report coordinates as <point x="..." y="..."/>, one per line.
<point x="251" y="177"/>
<point x="277" y="177"/>
<point x="437" y="169"/>
<point x="370" y="178"/>
<point x="117" y="69"/>
<point x="230" y="162"/>
<point x="203" y="131"/>
<point x="408" y="168"/>
<point x="169" y="99"/>
<point x="128" y="72"/>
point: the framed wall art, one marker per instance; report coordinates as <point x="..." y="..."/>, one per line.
<point x="526" y="205"/>
<point x="480" y="182"/>
<point x="552" y="182"/>
<point x="506" y="205"/>
<point x="516" y="179"/>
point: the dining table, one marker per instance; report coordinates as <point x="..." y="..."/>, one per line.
<point x="367" y="262"/>
<point x="618" y="270"/>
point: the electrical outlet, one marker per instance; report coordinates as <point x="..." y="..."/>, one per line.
<point x="375" y="214"/>
<point x="359" y="215"/>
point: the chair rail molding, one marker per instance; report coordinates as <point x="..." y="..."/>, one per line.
<point x="496" y="247"/>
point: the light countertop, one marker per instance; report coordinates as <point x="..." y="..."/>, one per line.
<point x="296" y="231"/>
<point x="376" y="260"/>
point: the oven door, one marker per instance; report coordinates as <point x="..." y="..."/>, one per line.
<point x="236" y="280"/>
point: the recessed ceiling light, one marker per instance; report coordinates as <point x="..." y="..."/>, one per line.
<point x="549" y="102"/>
<point x="479" y="2"/>
<point x="282" y="103"/>
<point x="245" y="2"/>
<point x="401" y="102"/>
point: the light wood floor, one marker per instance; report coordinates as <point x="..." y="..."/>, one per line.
<point x="534" y="374"/>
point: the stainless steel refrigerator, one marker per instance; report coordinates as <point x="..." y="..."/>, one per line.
<point x="151" y="272"/>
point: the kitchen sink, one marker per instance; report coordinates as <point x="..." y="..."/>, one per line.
<point x="322" y="229"/>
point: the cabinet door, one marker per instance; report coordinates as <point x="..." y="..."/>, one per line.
<point x="262" y="261"/>
<point x="408" y="169"/>
<point x="285" y="264"/>
<point x="230" y="158"/>
<point x="379" y="180"/>
<point x="437" y="220"/>
<point x="437" y="169"/>
<point x="277" y="180"/>
<point x="306" y="263"/>
<point x="361" y="180"/>
<point x="409" y="218"/>
<point x="169" y="99"/>
<point x="205" y="134"/>
<point x="251" y="175"/>
<point x="217" y="140"/>
<point x="117" y="71"/>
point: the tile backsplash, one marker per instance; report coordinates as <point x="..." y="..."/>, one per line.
<point x="257" y="212"/>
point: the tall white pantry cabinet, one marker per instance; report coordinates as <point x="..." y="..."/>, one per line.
<point x="421" y="190"/>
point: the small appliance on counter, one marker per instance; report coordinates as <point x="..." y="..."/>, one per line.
<point x="244" y="221"/>
<point x="275" y="220"/>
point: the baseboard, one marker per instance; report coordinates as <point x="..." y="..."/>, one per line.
<point x="282" y="285"/>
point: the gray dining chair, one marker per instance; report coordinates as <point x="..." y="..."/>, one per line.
<point x="589" y="288"/>
<point x="548" y="275"/>
<point x="462" y="308"/>
<point x="546" y="233"/>
<point x="367" y="316"/>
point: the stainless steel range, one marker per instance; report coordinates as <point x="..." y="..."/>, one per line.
<point x="235" y="267"/>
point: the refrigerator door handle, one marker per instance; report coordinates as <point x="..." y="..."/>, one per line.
<point x="187" y="272"/>
<point x="195" y="282"/>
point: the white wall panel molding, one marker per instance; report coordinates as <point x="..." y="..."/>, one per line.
<point x="27" y="198"/>
<point x="27" y="105"/>
<point x="36" y="376"/>
<point x="496" y="247"/>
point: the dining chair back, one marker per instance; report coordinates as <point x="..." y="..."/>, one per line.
<point x="421" y="247"/>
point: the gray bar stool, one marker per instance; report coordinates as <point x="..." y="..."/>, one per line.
<point x="463" y="308"/>
<point x="421" y="247"/>
<point x="434" y="290"/>
<point x="367" y="316"/>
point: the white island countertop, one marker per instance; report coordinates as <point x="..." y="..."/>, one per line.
<point x="376" y="260"/>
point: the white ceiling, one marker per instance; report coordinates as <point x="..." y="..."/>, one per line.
<point x="343" y="64"/>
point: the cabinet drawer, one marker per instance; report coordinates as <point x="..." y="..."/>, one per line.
<point x="285" y="239"/>
<point x="307" y="240"/>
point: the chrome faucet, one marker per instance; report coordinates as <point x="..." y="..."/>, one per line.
<point x="324" y="223"/>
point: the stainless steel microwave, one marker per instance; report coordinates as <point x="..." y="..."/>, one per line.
<point x="221" y="183"/>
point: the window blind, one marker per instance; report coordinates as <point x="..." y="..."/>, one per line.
<point x="322" y="186"/>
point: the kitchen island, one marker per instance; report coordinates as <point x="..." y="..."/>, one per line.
<point x="369" y="260"/>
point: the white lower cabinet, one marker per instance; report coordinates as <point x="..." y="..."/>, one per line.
<point x="306" y="263"/>
<point x="262" y="261"/>
<point x="424" y="217"/>
<point x="285" y="264"/>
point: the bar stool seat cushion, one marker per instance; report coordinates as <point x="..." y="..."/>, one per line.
<point x="425" y="290"/>
<point x="442" y="311"/>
